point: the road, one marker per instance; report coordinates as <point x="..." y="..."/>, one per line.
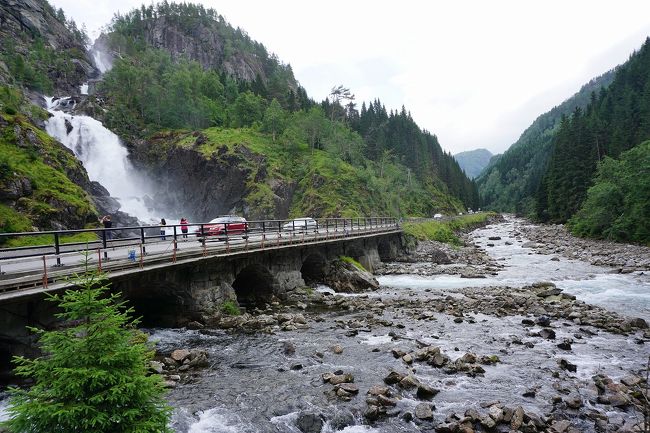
<point x="120" y="254"/>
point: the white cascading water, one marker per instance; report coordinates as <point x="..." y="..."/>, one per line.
<point x="103" y="156"/>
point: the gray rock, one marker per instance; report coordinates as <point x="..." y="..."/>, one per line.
<point x="309" y="422"/>
<point x="423" y="411"/>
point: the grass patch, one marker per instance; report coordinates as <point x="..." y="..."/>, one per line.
<point x="445" y="231"/>
<point x="353" y="262"/>
<point x="36" y="240"/>
<point x="230" y="308"/>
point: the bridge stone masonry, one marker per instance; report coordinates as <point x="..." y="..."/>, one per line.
<point x="179" y="282"/>
<point x="196" y="290"/>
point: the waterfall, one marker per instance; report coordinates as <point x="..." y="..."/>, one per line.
<point x="103" y="155"/>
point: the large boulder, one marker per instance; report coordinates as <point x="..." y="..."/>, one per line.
<point x="345" y="277"/>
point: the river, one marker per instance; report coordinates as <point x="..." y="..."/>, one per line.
<point x="255" y="384"/>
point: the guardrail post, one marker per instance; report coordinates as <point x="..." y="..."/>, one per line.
<point x="141" y="256"/>
<point x="143" y="249"/>
<point x="104" y="244"/>
<point x="44" y="272"/>
<point x="57" y="249"/>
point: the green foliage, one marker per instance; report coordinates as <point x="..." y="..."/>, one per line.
<point x="230" y="308"/>
<point x="445" y="231"/>
<point x="513" y="179"/>
<point x="12" y="221"/>
<point x="614" y="121"/>
<point x="353" y="262"/>
<point x="617" y="206"/>
<point x="37" y="168"/>
<point x="397" y="167"/>
<point x="93" y="374"/>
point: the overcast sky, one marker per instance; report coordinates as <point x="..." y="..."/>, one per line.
<point x="475" y="73"/>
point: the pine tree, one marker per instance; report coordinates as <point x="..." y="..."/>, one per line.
<point x="92" y="376"/>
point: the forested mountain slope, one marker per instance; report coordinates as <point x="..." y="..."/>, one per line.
<point x="510" y="183"/>
<point x="40" y="49"/>
<point x="615" y="121"/>
<point x="153" y="88"/>
<point x="220" y="125"/>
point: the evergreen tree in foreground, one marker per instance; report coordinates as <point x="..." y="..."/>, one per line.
<point x="92" y="376"/>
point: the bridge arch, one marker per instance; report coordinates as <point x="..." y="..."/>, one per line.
<point x="254" y="286"/>
<point x="314" y="268"/>
<point x="386" y="250"/>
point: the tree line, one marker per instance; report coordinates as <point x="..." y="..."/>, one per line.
<point x="585" y="147"/>
<point x="148" y="90"/>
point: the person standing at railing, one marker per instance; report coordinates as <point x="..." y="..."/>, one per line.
<point x="106" y="221"/>
<point x="163" y="229"/>
<point x="184" y="227"/>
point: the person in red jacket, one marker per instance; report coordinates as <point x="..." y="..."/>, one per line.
<point x="184" y="227"/>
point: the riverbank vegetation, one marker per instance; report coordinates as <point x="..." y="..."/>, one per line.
<point x="445" y="231"/>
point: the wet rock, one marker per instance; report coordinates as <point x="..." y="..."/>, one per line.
<point x="288" y="348"/>
<point x="560" y="426"/>
<point x="631" y="380"/>
<point x="409" y="382"/>
<point x="573" y="401"/>
<point x="337" y="349"/>
<point x="543" y="321"/>
<point x="565" y="344"/>
<point x="309" y="422"/>
<point x="517" y="418"/>
<point x="426" y="392"/>
<point x="336" y="379"/>
<point x="376" y="390"/>
<point x="156" y="366"/>
<point x="547" y="334"/>
<point x="566" y="365"/>
<point x="180" y="355"/>
<point x="393" y="378"/>
<point x="423" y="411"/>
<point x="494" y="238"/>
<point x="350" y="388"/>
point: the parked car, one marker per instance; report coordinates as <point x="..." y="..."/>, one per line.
<point x="437" y="216"/>
<point x="224" y="226"/>
<point x="301" y="224"/>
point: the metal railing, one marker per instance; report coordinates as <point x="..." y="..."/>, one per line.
<point x="119" y="248"/>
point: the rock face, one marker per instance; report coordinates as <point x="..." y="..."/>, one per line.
<point x="183" y="173"/>
<point x="213" y="43"/>
<point x="346" y="277"/>
<point x="24" y="21"/>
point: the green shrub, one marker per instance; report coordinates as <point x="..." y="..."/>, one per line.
<point x="230" y="308"/>
<point x="93" y="375"/>
<point x="353" y="262"/>
<point x="445" y="231"/>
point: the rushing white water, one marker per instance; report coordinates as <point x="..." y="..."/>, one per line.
<point x="628" y="294"/>
<point x="103" y="156"/>
<point x="101" y="59"/>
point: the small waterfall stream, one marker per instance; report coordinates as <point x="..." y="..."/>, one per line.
<point x="104" y="157"/>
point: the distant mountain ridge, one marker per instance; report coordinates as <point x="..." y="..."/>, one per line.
<point x="473" y="161"/>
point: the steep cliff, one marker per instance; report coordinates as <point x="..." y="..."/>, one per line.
<point x="192" y="32"/>
<point x="40" y="49"/>
<point x="42" y="184"/>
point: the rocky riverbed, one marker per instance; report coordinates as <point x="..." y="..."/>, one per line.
<point x="495" y="336"/>
<point x="428" y="351"/>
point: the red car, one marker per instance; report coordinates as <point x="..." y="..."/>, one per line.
<point x="224" y="226"/>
